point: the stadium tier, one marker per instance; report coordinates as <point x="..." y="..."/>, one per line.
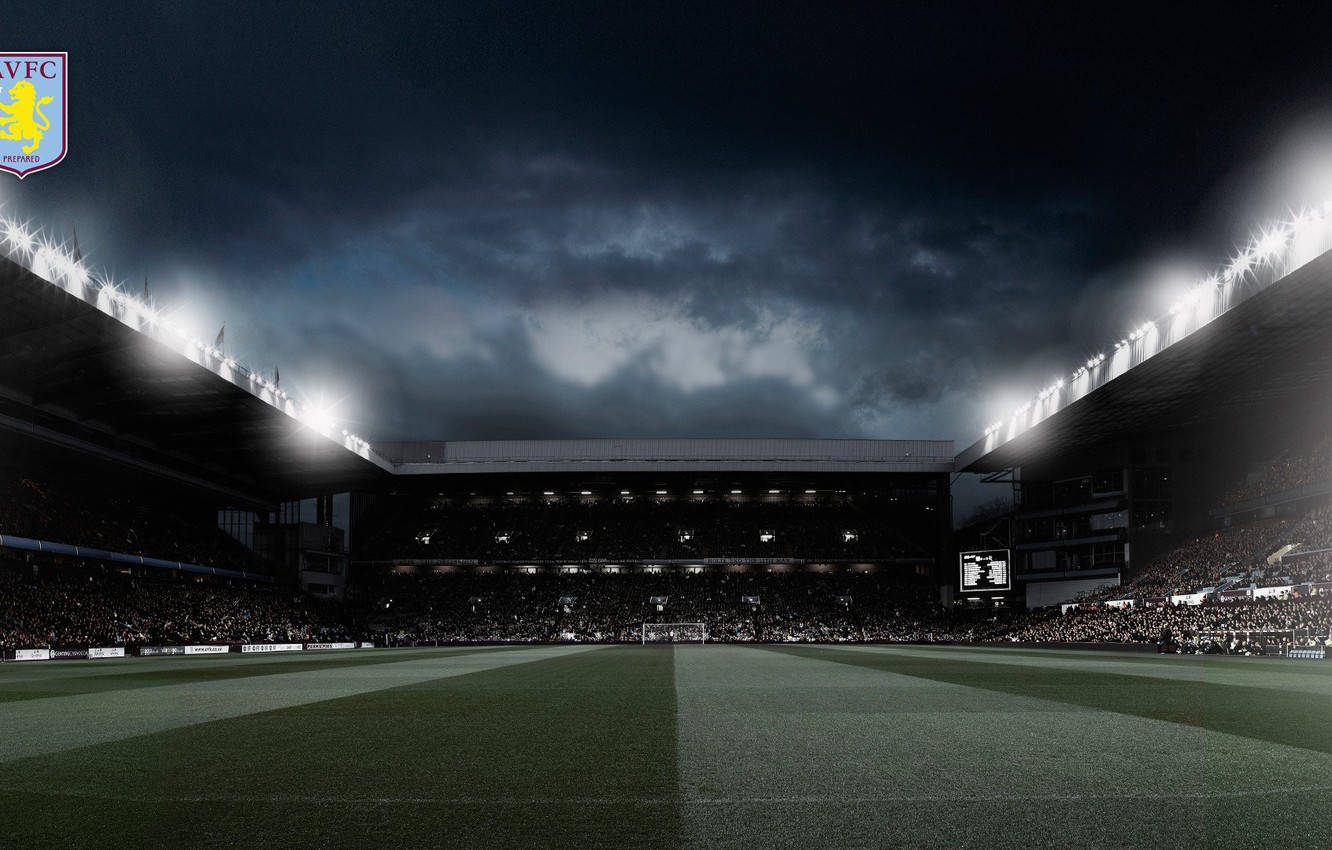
<point x="1181" y="433"/>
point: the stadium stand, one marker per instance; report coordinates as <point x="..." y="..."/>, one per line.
<point x="1238" y="557"/>
<point x="89" y="513"/>
<point x="601" y="607"/>
<point x="75" y="606"/>
<point x="1287" y="471"/>
<point x="864" y="527"/>
<point x="1238" y="626"/>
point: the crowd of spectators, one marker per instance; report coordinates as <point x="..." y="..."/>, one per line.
<point x="1300" y="618"/>
<point x="106" y="608"/>
<point x="1238" y="556"/>
<point x="747" y="606"/>
<point x="85" y="604"/>
<point x="1287" y="471"/>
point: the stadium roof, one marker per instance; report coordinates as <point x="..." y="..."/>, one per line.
<point x="1272" y="348"/>
<point x="87" y="367"/>
<point x="669" y="455"/>
<point x="76" y="370"/>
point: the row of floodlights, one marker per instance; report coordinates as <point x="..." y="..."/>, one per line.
<point x="1136" y="334"/>
<point x="667" y="492"/>
<point x="1263" y="249"/>
<point x="56" y="264"/>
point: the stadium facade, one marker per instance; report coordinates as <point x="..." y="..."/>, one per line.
<point x="667" y="503"/>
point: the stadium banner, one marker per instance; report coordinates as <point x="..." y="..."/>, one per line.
<point x="207" y="649"/>
<point x="1260" y="592"/>
<point x="1188" y="598"/>
<point x="271" y="647"/>
<point x="146" y="651"/>
<point x="69" y="654"/>
<point x="330" y="646"/>
<point x="367" y="644"/>
<point x="106" y="652"/>
<point x="1119" y="603"/>
<point x="1243" y="593"/>
<point x="751" y="600"/>
<point x="32" y="655"/>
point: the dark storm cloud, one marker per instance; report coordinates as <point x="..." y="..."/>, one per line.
<point x="526" y="220"/>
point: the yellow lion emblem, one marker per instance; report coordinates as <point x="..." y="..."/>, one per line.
<point x="22" y="115"/>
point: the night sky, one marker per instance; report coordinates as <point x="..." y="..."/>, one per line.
<point x="534" y="220"/>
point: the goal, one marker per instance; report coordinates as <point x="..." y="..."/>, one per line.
<point x="675" y="633"/>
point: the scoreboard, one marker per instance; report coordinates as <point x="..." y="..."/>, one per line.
<point x="985" y="570"/>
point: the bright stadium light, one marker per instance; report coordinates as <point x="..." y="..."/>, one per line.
<point x="1271" y="243"/>
<point x="18" y="237"/>
<point x="319" y="418"/>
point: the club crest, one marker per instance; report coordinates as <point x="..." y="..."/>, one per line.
<point x="33" y="126"/>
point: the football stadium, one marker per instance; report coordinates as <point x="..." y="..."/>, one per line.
<point x="661" y="426"/>
<point x="227" y="621"/>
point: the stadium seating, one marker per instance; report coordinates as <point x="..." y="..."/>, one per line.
<point x="750" y="606"/>
<point x="91" y="511"/>
<point x="1303" y="620"/>
<point x="846" y="528"/>
<point x="83" y="607"/>
<point x="1285" y="472"/>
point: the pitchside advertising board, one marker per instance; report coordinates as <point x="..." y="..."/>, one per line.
<point x="272" y="647"/>
<point x="985" y="571"/>
<point x="205" y="649"/>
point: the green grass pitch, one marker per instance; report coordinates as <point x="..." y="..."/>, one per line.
<point x="661" y="747"/>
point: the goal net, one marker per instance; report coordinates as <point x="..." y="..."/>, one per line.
<point x="675" y="633"/>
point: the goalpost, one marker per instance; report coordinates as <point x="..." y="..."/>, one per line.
<point x="675" y="633"/>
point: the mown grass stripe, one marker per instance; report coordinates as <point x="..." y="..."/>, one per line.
<point x="174" y="671"/>
<point x="1292" y="718"/>
<point x="572" y="750"/>
<point x="63" y="723"/>
<point x="1259" y="663"/>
